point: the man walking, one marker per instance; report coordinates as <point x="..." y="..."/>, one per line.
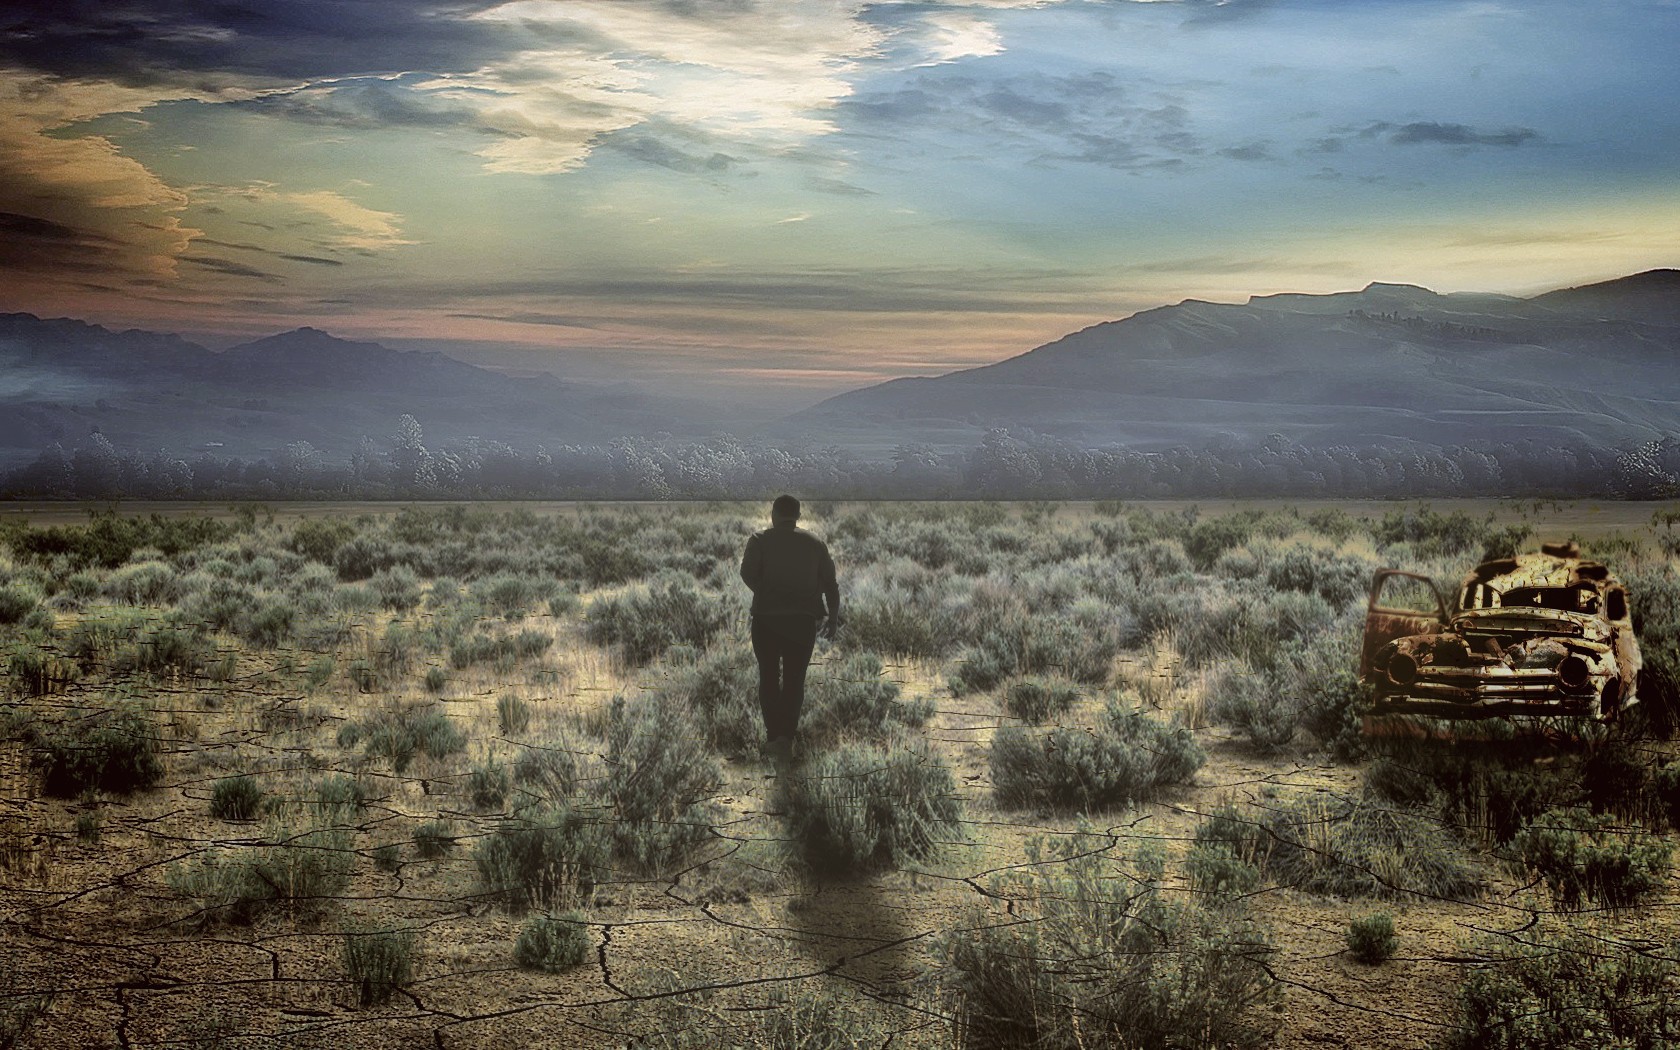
<point x="792" y="579"/>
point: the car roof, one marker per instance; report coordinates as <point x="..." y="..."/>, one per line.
<point x="1542" y="569"/>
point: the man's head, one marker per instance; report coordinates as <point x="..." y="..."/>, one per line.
<point x="784" y="511"/>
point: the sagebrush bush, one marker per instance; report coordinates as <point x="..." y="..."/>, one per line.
<point x="114" y="751"/>
<point x="379" y="961"/>
<point x="434" y="839"/>
<point x="1563" y="988"/>
<point x="720" y="691"/>
<point x="1345" y="848"/>
<point x="852" y="698"/>
<point x="1080" y="646"/>
<point x="487" y="785"/>
<point x="1037" y="699"/>
<point x="513" y="715"/>
<point x="1094" y="953"/>
<point x="1371" y="938"/>
<point x="659" y="785"/>
<point x="546" y="772"/>
<point x="303" y="869"/>
<point x="401" y="734"/>
<point x="1582" y="857"/>
<point x="858" y="809"/>
<point x="648" y="619"/>
<point x="546" y="856"/>
<point x="33" y="671"/>
<point x="1126" y="757"/>
<point x="17" y="603"/>
<point x="553" y="943"/>
<point x="236" y="798"/>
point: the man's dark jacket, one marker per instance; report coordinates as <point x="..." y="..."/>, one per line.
<point x="789" y="572"/>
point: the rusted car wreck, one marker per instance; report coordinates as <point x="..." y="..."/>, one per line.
<point x="1543" y="633"/>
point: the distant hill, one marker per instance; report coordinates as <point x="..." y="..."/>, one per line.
<point x="1391" y="366"/>
<point x="145" y="390"/>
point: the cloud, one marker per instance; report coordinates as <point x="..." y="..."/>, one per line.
<point x="228" y="267"/>
<point x="1423" y="132"/>
<point x="950" y="35"/>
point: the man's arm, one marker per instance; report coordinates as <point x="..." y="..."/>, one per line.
<point x="830" y="593"/>
<point x="752" y="564"/>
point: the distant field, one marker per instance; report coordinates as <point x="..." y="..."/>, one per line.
<point x="1073" y="775"/>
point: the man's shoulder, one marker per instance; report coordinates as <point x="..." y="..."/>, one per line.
<point x="790" y="537"/>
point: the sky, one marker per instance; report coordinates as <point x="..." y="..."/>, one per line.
<point x="804" y="196"/>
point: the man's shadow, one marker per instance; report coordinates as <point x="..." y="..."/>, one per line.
<point x="860" y="930"/>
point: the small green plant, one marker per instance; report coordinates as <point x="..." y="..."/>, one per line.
<point x="487" y="785"/>
<point x="320" y="671"/>
<point x="1561" y="988"/>
<point x="543" y="857"/>
<point x="114" y="751"/>
<point x="1371" y="939"/>
<point x="552" y="943"/>
<point x="860" y="809"/>
<point x="1583" y="857"/>
<point x="302" y="869"/>
<point x="659" y="785"/>
<point x="378" y="962"/>
<point x="387" y="857"/>
<point x="436" y="680"/>
<point x="236" y="798"/>
<point x="401" y="734"/>
<point x="434" y="839"/>
<point x="1125" y="758"/>
<point x="338" y="796"/>
<point x="1036" y="699"/>
<point x="646" y="620"/>
<point x="1092" y="952"/>
<point x="89" y="824"/>
<point x="513" y="715"/>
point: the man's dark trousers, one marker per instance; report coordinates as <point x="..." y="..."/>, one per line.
<point x="783" y="646"/>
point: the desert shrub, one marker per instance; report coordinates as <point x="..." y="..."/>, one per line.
<point x="852" y="697"/>
<point x="33" y="671"/>
<point x="1371" y="939"/>
<point x="269" y="625"/>
<point x="1488" y="790"/>
<point x="1266" y="704"/>
<point x="1036" y="699"/>
<point x="1346" y="848"/>
<point x="646" y="620"/>
<point x="1126" y="757"/>
<point x="1436" y="535"/>
<point x="17" y="602"/>
<point x="1216" y="872"/>
<point x="436" y="680"/>
<point x="1204" y="541"/>
<point x="1093" y="952"/>
<point x="484" y="648"/>
<point x="548" y="856"/>
<point x="487" y="785"/>
<point x="379" y="961"/>
<point x="114" y="751"/>
<point x="139" y="583"/>
<point x="513" y="715"/>
<point x="1655" y="600"/>
<point x="1252" y="624"/>
<point x="552" y="943"/>
<point x="1337" y="578"/>
<point x="89" y="824"/>
<point x="401" y="734"/>
<point x="110" y="539"/>
<point x="1665" y="793"/>
<point x="898" y="622"/>
<point x="434" y="839"/>
<point x="1080" y="646"/>
<point x="291" y="868"/>
<point x="387" y="857"/>
<point x="549" y="771"/>
<point x="720" y="691"/>
<point x="320" y="538"/>
<point x="859" y="809"/>
<point x="1334" y="703"/>
<point x="1582" y="856"/>
<point x="128" y="643"/>
<point x="659" y="785"/>
<point x="1568" y="989"/>
<point x="363" y="555"/>
<point x="397" y="587"/>
<point x="338" y="796"/>
<point x="236" y="798"/>
<point x="511" y="595"/>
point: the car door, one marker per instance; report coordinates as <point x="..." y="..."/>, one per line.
<point x="1401" y="603"/>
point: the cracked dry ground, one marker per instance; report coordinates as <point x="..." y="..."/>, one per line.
<point x="129" y="966"/>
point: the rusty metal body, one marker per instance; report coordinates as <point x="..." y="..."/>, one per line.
<point x="1545" y="633"/>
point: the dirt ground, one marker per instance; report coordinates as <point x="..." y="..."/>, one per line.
<point x="127" y="963"/>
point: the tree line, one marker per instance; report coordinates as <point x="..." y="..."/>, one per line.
<point x="1005" y="464"/>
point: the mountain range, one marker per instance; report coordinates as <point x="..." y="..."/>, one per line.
<point x="1392" y="365"/>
